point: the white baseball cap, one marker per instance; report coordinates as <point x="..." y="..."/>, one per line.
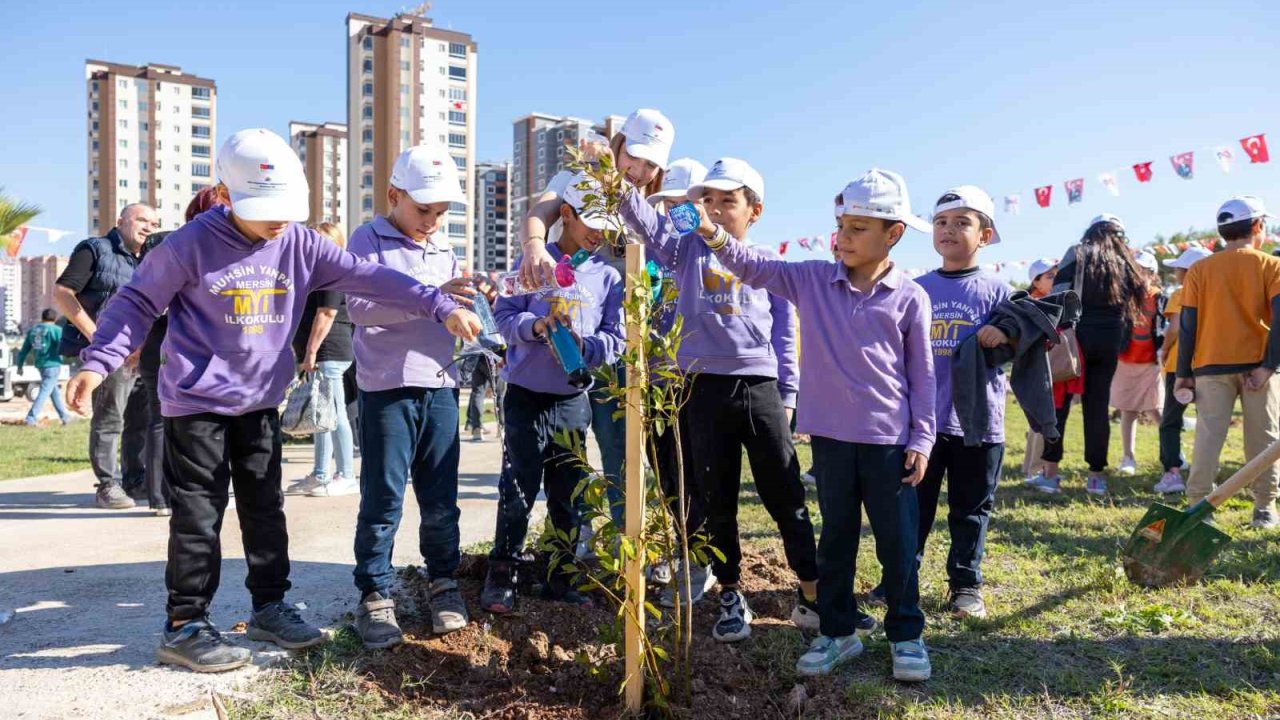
<point x="649" y="136"/>
<point x="576" y="197"/>
<point x="1242" y="207"/>
<point x="1147" y="260"/>
<point x="729" y="174"/>
<point x="1040" y="267"/>
<point x="881" y="194"/>
<point x="682" y="174"/>
<point x="1189" y="257"/>
<point x="428" y="174"/>
<point x="263" y="177"/>
<point x="1107" y="218"/>
<point x="970" y="197"/>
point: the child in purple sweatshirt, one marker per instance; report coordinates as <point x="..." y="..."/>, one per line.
<point x="871" y="418"/>
<point x="540" y="402"/>
<point x="739" y="350"/>
<point x="235" y="282"/>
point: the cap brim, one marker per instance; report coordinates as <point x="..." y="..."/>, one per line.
<point x="653" y="154"/>
<point x="290" y="207"/>
<point x="655" y="198"/>
<point x="917" y="223"/>
<point x="595" y="221"/>
<point x="428" y="196"/>
<point x="695" y="191"/>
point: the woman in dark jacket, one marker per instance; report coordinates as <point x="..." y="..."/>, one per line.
<point x="1102" y="270"/>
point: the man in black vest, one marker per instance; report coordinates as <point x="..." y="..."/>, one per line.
<point x="98" y="268"/>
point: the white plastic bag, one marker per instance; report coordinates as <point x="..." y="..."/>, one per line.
<point x="310" y="406"/>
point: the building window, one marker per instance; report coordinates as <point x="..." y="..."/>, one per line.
<point x="490" y="202"/>
<point x="457" y="118"/>
<point x="457" y="207"/>
<point x="404" y="42"/>
<point x="458" y="50"/>
<point x="366" y="180"/>
<point x="367" y="89"/>
<point x="457" y="73"/>
<point x="366" y="203"/>
<point x="404" y="66"/>
<point x="368" y="42"/>
<point x="367" y="157"/>
<point x="144" y="164"/>
<point x="197" y="187"/>
<point x="146" y="126"/>
<point x="461" y="162"/>
<point x="142" y="184"/>
<point x="124" y="104"/>
<point x="367" y="112"/>
<point x="122" y="83"/>
<point x="489" y="214"/>
<point x="457" y="140"/>
<point x="456" y="93"/>
<point x="122" y="183"/>
<point x="124" y="143"/>
<point x="95" y="146"/>
<point x="460" y="252"/>
<point x="200" y="169"/>
<point x="124" y="163"/>
<point x="367" y="66"/>
<point x="177" y="167"/>
<point x="124" y="123"/>
<point x="366" y="135"/>
<point x="199" y="111"/>
<point x="95" y="106"/>
<point x="200" y="150"/>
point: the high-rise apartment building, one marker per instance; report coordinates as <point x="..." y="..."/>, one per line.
<point x="151" y="139"/>
<point x="39" y="276"/>
<point x="408" y="83"/>
<point x="10" y="294"/>
<point x="323" y="151"/>
<point x="539" y="151"/>
<point x="493" y="251"/>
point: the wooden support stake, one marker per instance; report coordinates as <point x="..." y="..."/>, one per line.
<point x="634" y="496"/>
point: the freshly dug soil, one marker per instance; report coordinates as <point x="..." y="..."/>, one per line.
<point x="550" y="661"/>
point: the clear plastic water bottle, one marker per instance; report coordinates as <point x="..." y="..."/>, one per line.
<point x="490" y="339"/>
<point x="509" y="283"/>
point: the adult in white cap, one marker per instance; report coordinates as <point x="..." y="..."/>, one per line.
<point x="641" y="150"/>
<point x="235" y="282"/>
<point x="1229" y="348"/>
<point x="1102" y="270"/>
<point x="1171" y="457"/>
<point x="409" y="398"/>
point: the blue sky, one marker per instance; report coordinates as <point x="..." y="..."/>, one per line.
<point x="1004" y="95"/>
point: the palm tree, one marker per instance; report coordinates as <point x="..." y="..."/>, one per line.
<point x="15" y="213"/>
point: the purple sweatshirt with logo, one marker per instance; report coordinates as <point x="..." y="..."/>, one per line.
<point x="233" y="307"/>
<point x="729" y="329"/>
<point x="594" y="302"/>
<point x="866" y="355"/>
<point x="395" y="348"/>
<point x="962" y="302"/>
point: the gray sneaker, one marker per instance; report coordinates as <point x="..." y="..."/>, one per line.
<point x="111" y="496"/>
<point x="701" y="579"/>
<point x="281" y="624"/>
<point x="967" y="602"/>
<point x="1265" y="518"/>
<point x="199" y="646"/>
<point x="376" y="622"/>
<point x="448" y="609"/>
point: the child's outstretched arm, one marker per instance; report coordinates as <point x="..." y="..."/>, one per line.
<point x="921" y="385"/>
<point x="660" y="237"/>
<point x="754" y="267"/>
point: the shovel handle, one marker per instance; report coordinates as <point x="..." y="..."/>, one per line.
<point x="1245" y="475"/>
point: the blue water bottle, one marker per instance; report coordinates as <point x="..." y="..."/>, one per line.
<point x="566" y="350"/>
<point x="685" y="217"/>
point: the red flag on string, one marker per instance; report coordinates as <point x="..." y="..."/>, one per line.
<point x="1256" y="147"/>
<point x="1143" y="171"/>
<point x="782" y="249"/>
<point x="12" y="243"/>
<point x="804" y="243"/>
<point x="833" y="241"/>
<point x="1043" y="195"/>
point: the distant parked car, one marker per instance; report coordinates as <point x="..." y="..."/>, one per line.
<point x="25" y="384"/>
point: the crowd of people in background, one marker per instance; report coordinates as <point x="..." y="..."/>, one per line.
<point x="186" y="356"/>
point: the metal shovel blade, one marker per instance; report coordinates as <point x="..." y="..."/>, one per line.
<point x="1172" y="545"/>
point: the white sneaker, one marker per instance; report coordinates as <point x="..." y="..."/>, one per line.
<point x="1171" y="482"/>
<point x="734" y="623"/>
<point x="477" y="435"/>
<point x="339" y="485"/>
<point x="305" y="485"/>
<point x="1128" y="467"/>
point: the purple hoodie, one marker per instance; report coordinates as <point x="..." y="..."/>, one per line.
<point x="594" y="302"/>
<point x="729" y="329"/>
<point x="233" y="308"/>
<point x="866" y="355"/>
<point x="395" y="348"/>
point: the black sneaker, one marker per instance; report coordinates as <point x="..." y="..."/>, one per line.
<point x="875" y="598"/>
<point x="560" y="588"/>
<point x="805" y="613"/>
<point x="735" y="619"/>
<point x="199" y="646"/>
<point x="967" y="602"/>
<point x="280" y="623"/>
<point x="499" y="593"/>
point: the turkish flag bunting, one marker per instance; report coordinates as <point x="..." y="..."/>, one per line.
<point x="833" y="241"/>
<point x="782" y="249"/>
<point x="1043" y="195"/>
<point x="1184" y="164"/>
<point x="804" y="243"/>
<point x="1143" y="171"/>
<point x="1256" y="147"/>
<point x="1075" y="190"/>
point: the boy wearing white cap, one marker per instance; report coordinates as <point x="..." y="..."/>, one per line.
<point x="408" y="398"/>
<point x="679" y="177"/>
<point x="739" y="352"/>
<point x="962" y="298"/>
<point x="1171" y="416"/>
<point x="1229" y="347"/>
<point x="1040" y="275"/>
<point x="235" y="281"/>
<point x="871" y="418"/>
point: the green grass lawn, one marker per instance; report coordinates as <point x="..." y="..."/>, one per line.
<point x="1067" y="635"/>
<point x="46" y="450"/>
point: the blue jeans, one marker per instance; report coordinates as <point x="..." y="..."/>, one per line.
<point x="611" y="437"/>
<point x="345" y="455"/>
<point x="48" y="388"/>
<point x="409" y="433"/>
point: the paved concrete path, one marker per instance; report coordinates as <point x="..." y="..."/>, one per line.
<point x="88" y="588"/>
